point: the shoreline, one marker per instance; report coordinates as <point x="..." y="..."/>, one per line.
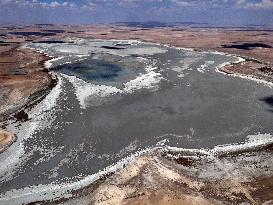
<point x="109" y="180"/>
<point x="121" y="173"/>
<point x="102" y="177"/>
<point x="36" y="90"/>
<point x="15" y="108"/>
<point x="235" y="70"/>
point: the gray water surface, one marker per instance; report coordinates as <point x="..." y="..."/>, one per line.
<point x="189" y="105"/>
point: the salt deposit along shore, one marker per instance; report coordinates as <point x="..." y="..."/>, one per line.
<point x="231" y="173"/>
<point x="181" y="176"/>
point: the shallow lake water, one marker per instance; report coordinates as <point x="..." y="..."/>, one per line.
<point x="111" y="103"/>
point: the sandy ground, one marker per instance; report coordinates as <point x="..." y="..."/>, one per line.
<point x="6" y="138"/>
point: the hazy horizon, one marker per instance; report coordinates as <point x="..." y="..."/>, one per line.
<point x="213" y="12"/>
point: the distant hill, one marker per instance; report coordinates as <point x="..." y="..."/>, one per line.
<point x="156" y="24"/>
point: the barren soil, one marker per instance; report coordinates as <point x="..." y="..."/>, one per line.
<point x="6" y="138"/>
<point x="21" y="75"/>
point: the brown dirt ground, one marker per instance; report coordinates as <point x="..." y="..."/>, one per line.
<point x="6" y="138"/>
<point x="21" y="75"/>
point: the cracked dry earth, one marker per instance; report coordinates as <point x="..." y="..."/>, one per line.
<point x="159" y="179"/>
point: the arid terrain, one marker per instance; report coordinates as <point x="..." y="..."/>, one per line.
<point x="155" y="178"/>
<point x="22" y="74"/>
<point x="5" y="139"/>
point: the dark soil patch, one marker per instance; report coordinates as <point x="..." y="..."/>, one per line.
<point x="49" y="42"/>
<point x="30" y="33"/>
<point x="113" y="47"/>
<point x="21" y="116"/>
<point x="247" y="46"/>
